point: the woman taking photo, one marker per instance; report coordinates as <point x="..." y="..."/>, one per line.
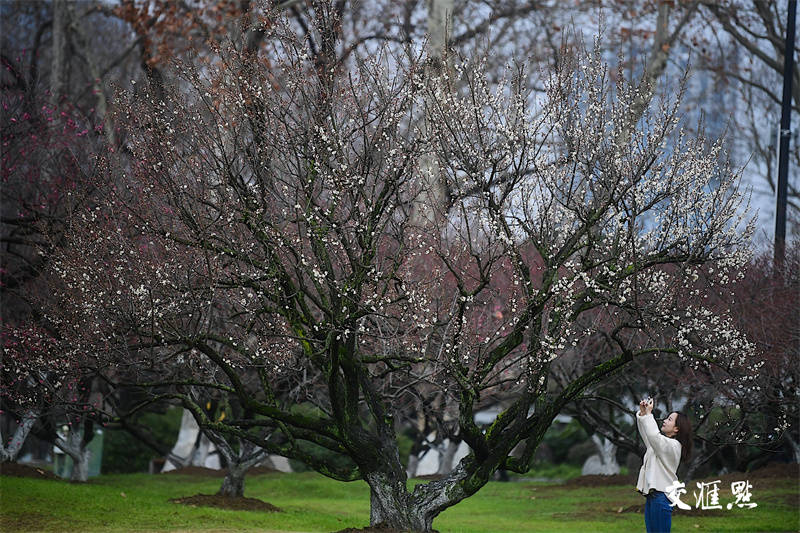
<point x="665" y="450"/>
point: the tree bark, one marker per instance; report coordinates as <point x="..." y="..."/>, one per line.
<point x="391" y="504"/>
<point x="182" y="451"/>
<point x="9" y="453"/>
<point x="204" y="453"/>
<point x="446" y="456"/>
<point x="413" y="461"/>
<point x="98" y="84"/>
<point x="233" y="484"/>
<point x="434" y="192"/>
<point x="663" y="42"/>
<point x="74" y="446"/>
<point x="239" y="462"/>
<point x="795" y="448"/>
<point x="80" y="466"/>
<point x="58" y="71"/>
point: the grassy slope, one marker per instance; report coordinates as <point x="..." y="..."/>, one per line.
<point x="313" y="503"/>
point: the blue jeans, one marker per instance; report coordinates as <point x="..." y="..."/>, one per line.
<point x="657" y="513"/>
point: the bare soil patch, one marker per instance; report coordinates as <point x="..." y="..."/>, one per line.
<point x="262" y="470"/>
<point x="777" y="470"/>
<point x="18" y="470"/>
<point x="769" y="476"/>
<point x="227" y="502"/>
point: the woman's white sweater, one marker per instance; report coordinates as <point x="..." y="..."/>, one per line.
<point x="661" y="460"/>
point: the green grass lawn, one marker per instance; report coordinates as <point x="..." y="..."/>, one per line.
<point x="310" y="502"/>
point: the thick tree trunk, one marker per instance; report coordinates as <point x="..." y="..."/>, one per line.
<point x="233" y="484"/>
<point x="391" y="505"/>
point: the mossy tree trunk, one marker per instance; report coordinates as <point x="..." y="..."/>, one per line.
<point x="233" y="484"/>
<point x="239" y="459"/>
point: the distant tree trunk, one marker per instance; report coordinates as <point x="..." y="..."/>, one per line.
<point x="181" y="453"/>
<point x="74" y="445"/>
<point x="277" y="462"/>
<point x="413" y="461"/>
<point x="98" y="85"/>
<point x="605" y="461"/>
<point x="446" y="459"/>
<point x="434" y="192"/>
<point x="663" y="42"/>
<point x="205" y="453"/>
<point x="233" y="484"/>
<point x="9" y="453"/>
<point x="795" y="446"/>
<point x="80" y="466"/>
<point x="419" y="440"/>
<point x="59" y="67"/>
<point x="699" y="457"/>
<point x="440" y="26"/>
<point x="239" y="462"/>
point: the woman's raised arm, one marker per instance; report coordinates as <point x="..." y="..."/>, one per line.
<point x="642" y="413"/>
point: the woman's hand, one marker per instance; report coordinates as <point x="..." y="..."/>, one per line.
<point x="646" y="407"/>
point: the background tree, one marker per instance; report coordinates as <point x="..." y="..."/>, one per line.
<point x="742" y="44"/>
<point x="48" y="156"/>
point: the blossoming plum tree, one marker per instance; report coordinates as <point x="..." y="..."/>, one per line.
<point x="261" y="239"/>
<point x="47" y="164"/>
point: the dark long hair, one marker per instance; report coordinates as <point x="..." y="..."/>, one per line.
<point x="684" y="435"/>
